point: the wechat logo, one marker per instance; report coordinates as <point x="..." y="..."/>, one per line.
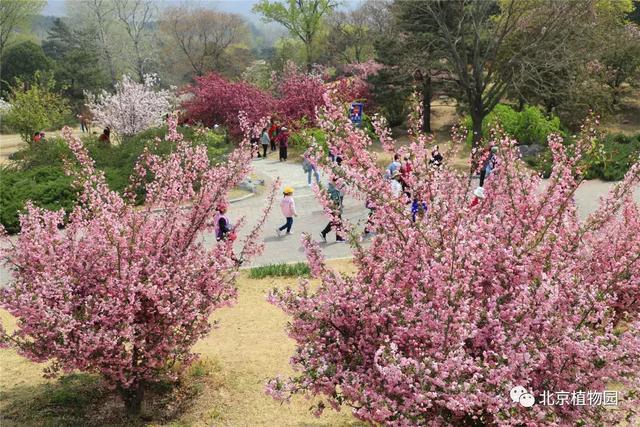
<point x="520" y="395"/>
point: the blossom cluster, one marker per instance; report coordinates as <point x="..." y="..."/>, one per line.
<point x="447" y="313"/>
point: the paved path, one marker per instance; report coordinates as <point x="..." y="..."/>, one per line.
<point x="311" y="218"/>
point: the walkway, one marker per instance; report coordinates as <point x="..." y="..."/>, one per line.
<point x="311" y="217"/>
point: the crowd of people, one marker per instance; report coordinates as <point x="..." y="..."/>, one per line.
<point x="397" y="174"/>
<point x="272" y="136"/>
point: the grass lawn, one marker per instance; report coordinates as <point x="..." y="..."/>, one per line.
<point x="249" y="346"/>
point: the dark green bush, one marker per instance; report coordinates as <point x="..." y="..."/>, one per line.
<point x="38" y="172"/>
<point x="542" y="163"/>
<point x="618" y="153"/>
<point x="529" y="126"/>
<point x="300" y="140"/>
<point x="46" y="186"/>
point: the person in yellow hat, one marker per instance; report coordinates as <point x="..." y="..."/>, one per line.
<point x="288" y="207"/>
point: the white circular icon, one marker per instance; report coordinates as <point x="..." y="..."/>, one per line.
<point x="516" y="392"/>
<point x="527" y="400"/>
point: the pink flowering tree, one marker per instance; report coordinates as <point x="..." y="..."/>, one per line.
<point x="447" y="313"/>
<point x="215" y="100"/>
<point x="122" y="291"/>
<point x="133" y="108"/>
<point x="299" y="94"/>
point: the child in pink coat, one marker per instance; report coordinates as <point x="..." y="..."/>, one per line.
<point x="288" y="207"/>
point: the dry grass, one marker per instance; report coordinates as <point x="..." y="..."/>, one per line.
<point x="627" y="119"/>
<point x="443" y="116"/>
<point x="249" y="346"/>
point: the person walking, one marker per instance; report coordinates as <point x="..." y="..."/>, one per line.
<point x="288" y="208"/>
<point x="396" y="187"/>
<point x="336" y="201"/>
<point x="222" y="226"/>
<point x="273" y="133"/>
<point x="309" y="168"/>
<point x="83" y="123"/>
<point x="264" y="141"/>
<point x="405" y="172"/>
<point x="283" y="142"/>
<point x="489" y="165"/>
<point x="436" y="157"/>
<point x="254" y="140"/>
<point x="370" y="205"/>
<point x="418" y="209"/>
<point x="394" y="165"/>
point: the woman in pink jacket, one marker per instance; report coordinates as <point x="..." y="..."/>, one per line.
<point x="288" y="207"/>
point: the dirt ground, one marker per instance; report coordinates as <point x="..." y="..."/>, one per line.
<point x="249" y="346"/>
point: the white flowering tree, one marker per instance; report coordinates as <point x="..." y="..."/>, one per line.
<point x="133" y="108"/>
<point x="4" y="106"/>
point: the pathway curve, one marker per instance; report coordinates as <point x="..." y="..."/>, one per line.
<point x="311" y="217"/>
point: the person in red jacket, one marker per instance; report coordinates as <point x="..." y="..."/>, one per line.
<point x="405" y="170"/>
<point x="273" y="133"/>
<point x="283" y="142"/>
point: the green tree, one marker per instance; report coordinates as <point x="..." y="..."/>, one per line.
<point x="412" y="64"/>
<point x="15" y="14"/>
<point x="634" y="14"/>
<point x="303" y="19"/>
<point x="349" y="37"/>
<point x="581" y="67"/>
<point x="472" y="36"/>
<point x="22" y="61"/>
<point x="204" y="38"/>
<point x="77" y="60"/>
<point x="36" y="106"/>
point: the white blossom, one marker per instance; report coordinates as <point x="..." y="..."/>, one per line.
<point x="133" y="108"/>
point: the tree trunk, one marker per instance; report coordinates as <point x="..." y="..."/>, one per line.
<point x="132" y="398"/>
<point x="476" y="119"/>
<point x="308" y="55"/>
<point x="427" y="94"/>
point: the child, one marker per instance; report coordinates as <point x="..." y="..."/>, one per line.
<point x="479" y="193"/>
<point x="288" y="207"/>
<point x="223" y="228"/>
